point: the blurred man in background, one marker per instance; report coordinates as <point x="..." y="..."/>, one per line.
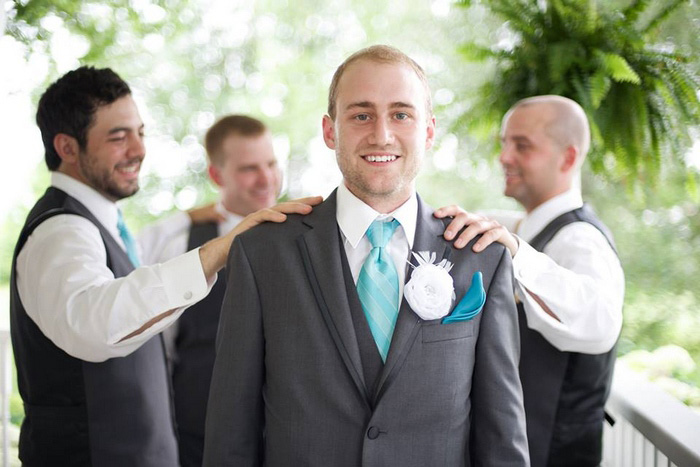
<point x="243" y="166"/>
<point x="569" y="281"/>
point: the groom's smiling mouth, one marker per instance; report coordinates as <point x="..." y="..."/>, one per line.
<point x="379" y="159"/>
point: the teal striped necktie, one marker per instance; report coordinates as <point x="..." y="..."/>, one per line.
<point x="128" y="240"/>
<point x="378" y="286"/>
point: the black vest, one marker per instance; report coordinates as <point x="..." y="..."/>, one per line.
<point x="564" y="392"/>
<point x="195" y="347"/>
<point x="77" y="413"/>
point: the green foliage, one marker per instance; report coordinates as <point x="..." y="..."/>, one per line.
<point x="654" y="318"/>
<point x="658" y="241"/>
<point x="640" y="97"/>
<point x="196" y="61"/>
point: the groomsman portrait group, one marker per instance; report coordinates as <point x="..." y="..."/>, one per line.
<point x="361" y="328"/>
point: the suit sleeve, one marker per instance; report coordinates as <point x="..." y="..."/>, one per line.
<point x="498" y="424"/>
<point x="235" y="412"/>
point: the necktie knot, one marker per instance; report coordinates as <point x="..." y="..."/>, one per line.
<point x="379" y="232"/>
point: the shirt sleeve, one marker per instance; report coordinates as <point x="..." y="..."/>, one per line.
<point x="156" y="240"/>
<point x="75" y="300"/>
<point x="580" y="279"/>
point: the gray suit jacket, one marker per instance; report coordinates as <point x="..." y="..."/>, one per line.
<point x="289" y="387"/>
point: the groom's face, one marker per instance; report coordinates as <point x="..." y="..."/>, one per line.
<point x="381" y="131"/>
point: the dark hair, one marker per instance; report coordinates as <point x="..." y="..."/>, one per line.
<point x="240" y="125"/>
<point x="69" y="105"/>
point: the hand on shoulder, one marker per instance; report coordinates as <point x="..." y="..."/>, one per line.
<point x="277" y="213"/>
<point x="471" y="225"/>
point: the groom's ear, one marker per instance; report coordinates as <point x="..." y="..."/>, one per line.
<point x="430" y="133"/>
<point x="328" y="131"/>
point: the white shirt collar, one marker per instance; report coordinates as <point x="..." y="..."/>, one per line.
<point x="534" y="222"/>
<point x="105" y="210"/>
<point x="354" y="216"/>
<point x="230" y="221"/>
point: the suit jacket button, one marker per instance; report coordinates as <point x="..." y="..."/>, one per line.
<point x="373" y="432"/>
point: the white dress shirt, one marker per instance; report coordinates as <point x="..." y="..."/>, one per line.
<point x="578" y="276"/>
<point x="70" y="293"/>
<point x="354" y="218"/>
<point x="168" y="238"/>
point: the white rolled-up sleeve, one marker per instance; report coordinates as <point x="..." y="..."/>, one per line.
<point x="67" y="289"/>
<point x="580" y="279"/>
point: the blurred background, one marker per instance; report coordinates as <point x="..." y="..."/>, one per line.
<point x="631" y="64"/>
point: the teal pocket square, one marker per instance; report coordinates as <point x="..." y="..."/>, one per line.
<point x="471" y="304"/>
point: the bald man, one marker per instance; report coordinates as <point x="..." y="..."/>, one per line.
<point x="569" y="282"/>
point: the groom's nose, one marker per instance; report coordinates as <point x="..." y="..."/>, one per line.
<point x="382" y="134"/>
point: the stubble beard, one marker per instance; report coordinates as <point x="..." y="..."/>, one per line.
<point x="391" y="189"/>
<point x="102" y="180"/>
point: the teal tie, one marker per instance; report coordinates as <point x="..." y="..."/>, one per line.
<point x="378" y="286"/>
<point x="128" y="240"/>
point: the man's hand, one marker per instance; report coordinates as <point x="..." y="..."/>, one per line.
<point x="277" y="213"/>
<point x="475" y="224"/>
<point x="213" y="254"/>
<point x="204" y="214"/>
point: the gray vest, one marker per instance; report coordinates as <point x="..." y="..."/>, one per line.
<point x="564" y="392"/>
<point x="195" y="351"/>
<point x="77" y="413"/>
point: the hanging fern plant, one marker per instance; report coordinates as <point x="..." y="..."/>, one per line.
<point x="641" y="99"/>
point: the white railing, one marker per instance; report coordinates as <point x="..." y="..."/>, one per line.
<point x="652" y="429"/>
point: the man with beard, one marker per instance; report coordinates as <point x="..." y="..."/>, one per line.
<point x="85" y="318"/>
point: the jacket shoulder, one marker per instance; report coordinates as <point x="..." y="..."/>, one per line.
<point x="274" y="231"/>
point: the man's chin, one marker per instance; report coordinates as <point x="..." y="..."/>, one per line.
<point x="121" y="193"/>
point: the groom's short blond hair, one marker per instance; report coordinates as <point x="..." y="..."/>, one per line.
<point x="379" y="54"/>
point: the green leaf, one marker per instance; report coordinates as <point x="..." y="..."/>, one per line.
<point x="473" y="52"/>
<point x="560" y="57"/>
<point x="600" y="85"/>
<point x="635" y="9"/>
<point x="619" y="69"/>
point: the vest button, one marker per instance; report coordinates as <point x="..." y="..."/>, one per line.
<point x="373" y="432"/>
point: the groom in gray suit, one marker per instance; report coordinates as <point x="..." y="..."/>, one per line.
<point x="333" y="350"/>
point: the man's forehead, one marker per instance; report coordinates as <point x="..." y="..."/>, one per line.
<point x="367" y="74"/>
<point x="248" y="149"/>
<point x="121" y="112"/>
<point x="527" y="119"/>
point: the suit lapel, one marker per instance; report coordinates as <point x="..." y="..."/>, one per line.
<point x="429" y="237"/>
<point x="320" y="250"/>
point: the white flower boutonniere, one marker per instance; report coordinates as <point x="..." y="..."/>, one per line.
<point x="431" y="290"/>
